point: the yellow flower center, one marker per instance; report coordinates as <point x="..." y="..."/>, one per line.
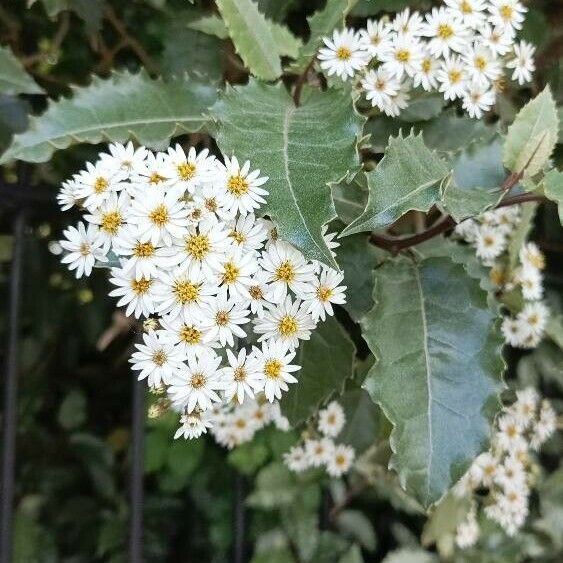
<point x="186" y="292"/>
<point x="140" y="287"/>
<point x="375" y="40"/>
<point x="197" y="246"/>
<point x="340" y="459"/>
<point x="255" y="292"/>
<point x="143" y="250"/>
<point x="237" y="185"/>
<point x="379" y="84"/>
<point x="240" y="423"/>
<point x="455" y="76"/>
<point x="331" y="419"/>
<point x="238" y="237"/>
<point x="85" y="249"/>
<point x="231" y="273"/>
<point x="211" y="204"/>
<point x="111" y="222"/>
<point x="285" y="272"/>
<point x="159" y="358"/>
<point x="488" y="241"/>
<point x="537" y="261"/>
<point x="466" y="8"/>
<point x="489" y="470"/>
<point x="239" y="374"/>
<point x="512" y="431"/>
<point x="190" y="334"/>
<point x="100" y="185"/>
<point x="480" y="63"/>
<point x="426" y="65"/>
<point x="272" y="369"/>
<point x="186" y="170"/>
<point x="403" y="56"/>
<point x="445" y="31"/>
<point x="198" y="380"/>
<point x="159" y="215"/>
<point x="506" y="11"/>
<point x="533" y="319"/>
<point x="343" y="53"/>
<point x="156" y="178"/>
<point x="222" y="318"/>
<point x="287" y="326"/>
<point x="324" y="293"/>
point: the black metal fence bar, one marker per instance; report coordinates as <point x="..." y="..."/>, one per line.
<point x="136" y="471"/>
<point x="10" y="408"/>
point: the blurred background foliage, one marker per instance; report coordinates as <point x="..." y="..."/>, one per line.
<point x="74" y="404"/>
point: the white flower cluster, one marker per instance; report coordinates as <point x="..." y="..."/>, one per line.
<point x="322" y="451"/>
<point x="507" y="470"/>
<point x="490" y="235"/>
<point x="459" y="49"/>
<point x="188" y="250"/>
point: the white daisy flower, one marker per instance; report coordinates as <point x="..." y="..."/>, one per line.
<point x="406" y="24"/>
<point x="446" y="31"/>
<point x="222" y="318"/>
<point x="275" y="368"/>
<point x="319" y="452"/>
<point x="523" y="62"/>
<point x="399" y="101"/>
<point x="95" y="184"/>
<point x="340" y="460"/>
<point x="403" y="57"/>
<point x="452" y="77"/>
<point x="240" y="188"/>
<point x="323" y="292"/>
<point x="478" y="99"/>
<point x="187" y="334"/>
<point x="184" y="291"/>
<point x="531" y="281"/>
<point x="530" y="256"/>
<point x="509" y="433"/>
<point x="197" y="385"/>
<point x="241" y="376"/>
<point x="287" y="269"/>
<point x="343" y="55"/>
<point x="511" y="473"/>
<point x="235" y="273"/>
<point x="123" y="158"/>
<point x="507" y="13"/>
<point x="151" y="175"/>
<point x="377" y="37"/>
<point x="488" y="465"/>
<point x="471" y="12"/>
<point x="192" y="425"/>
<point x="490" y="243"/>
<point x="110" y="216"/>
<point x="534" y="316"/>
<point x="84" y="247"/>
<point x="331" y="420"/>
<point x="515" y="332"/>
<point x="467" y="230"/>
<point x="257" y="291"/>
<point x="159" y="217"/>
<point x="425" y="76"/>
<point x="296" y="459"/>
<point x="189" y="171"/>
<point x="68" y="195"/>
<point x="482" y="65"/>
<point x="247" y="233"/>
<point x="288" y="322"/>
<point x="545" y="426"/>
<point x="498" y="39"/>
<point x="157" y="359"/>
<point x="379" y="86"/>
<point x="137" y="294"/>
<point x="524" y="409"/>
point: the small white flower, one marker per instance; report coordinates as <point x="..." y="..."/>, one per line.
<point x="377" y="37"/>
<point x="258" y="290"/>
<point x="84" y="246"/>
<point x="523" y="62"/>
<point x="452" y="77"/>
<point x="340" y="460"/>
<point x="446" y="31"/>
<point x="275" y="368"/>
<point x="151" y="175"/>
<point x="507" y="13"/>
<point x="247" y="233"/>
<point x="68" y="195"/>
<point x="198" y="383"/>
<point x="110" y="216"/>
<point x="137" y="294"/>
<point x="331" y="420"/>
<point x="515" y="332"/>
<point x="235" y="273"/>
<point x="531" y="280"/>
<point x="192" y="425"/>
<point x="425" y="76"/>
<point x="545" y="426"/>
<point x="95" y="184"/>
<point x="488" y="465"/>
<point x="319" y="452"/>
<point x="482" y="65"/>
<point x="534" y="316"/>
<point x="123" y="158"/>
<point x="468" y="230"/>
<point x="490" y="243"/>
<point x="467" y="532"/>
<point x="379" y="86"/>
<point x="531" y="256"/>
<point x="511" y="474"/>
<point x="498" y="39"/>
<point x="295" y="459"/>
<point x="344" y="54"/>
<point x="157" y="359"/>
<point x="188" y="171"/>
<point x="399" y="101"/>
<point x="472" y="12"/>
<point x="509" y="434"/>
<point x="323" y="292"/>
<point x="406" y="24"/>
<point x="478" y="99"/>
<point x="187" y="334"/>
<point x="404" y="57"/>
<point x="241" y="376"/>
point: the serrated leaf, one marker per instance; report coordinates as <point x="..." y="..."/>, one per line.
<point x="252" y="37"/>
<point x="326" y="361"/>
<point x="125" y="106"/>
<point x="286" y="43"/>
<point x="439" y="370"/>
<point x="408" y="177"/>
<point x="350" y="197"/>
<point x="532" y="137"/>
<point x="13" y="77"/>
<point x="553" y="189"/>
<point x="302" y="149"/>
<point x="461" y="204"/>
<point x="321" y="24"/>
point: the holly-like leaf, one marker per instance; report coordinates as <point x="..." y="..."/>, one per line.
<point x="326" y="361"/>
<point x="533" y="135"/>
<point x="409" y="176"/>
<point x="302" y="149"/>
<point x="125" y="106"/>
<point x="13" y="78"/>
<point x="439" y="370"/>
<point x="252" y="37"/>
<point x="553" y="188"/>
<point x="321" y="24"/>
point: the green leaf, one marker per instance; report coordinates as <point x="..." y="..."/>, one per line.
<point x="439" y="370"/>
<point x="321" y="24"/>
<point x="521" y="232"/>
<point x="72" y="412"/>
<point x="326" y="361"/>
<point x="362" y="420"/>
<point x="13" y="78"/>
<point x="408" y="177"/>
<point x="355" y="525"/>
<point x="553" y="189"/>
<point x="353" y="555"/>
<point x="252" y="37"/>
<point x="125" y="106"/>
<point x="155" y="450"/>
<point x="184" y="456"/>
<point x="13" y="119"/>
<point x="533" y="135"/>
<point x="423" y="107"/>
<point x="286" y="43"/>
<point x="275" y="486"/>
<point x="461" y="204"/>
<point x="248" y="457"/>
<point x="350" y="198"/>
<point x="302" y="149"/>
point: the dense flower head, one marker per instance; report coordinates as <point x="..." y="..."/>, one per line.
<point x="462" y="49"/>
<point x="229" y="303"/>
